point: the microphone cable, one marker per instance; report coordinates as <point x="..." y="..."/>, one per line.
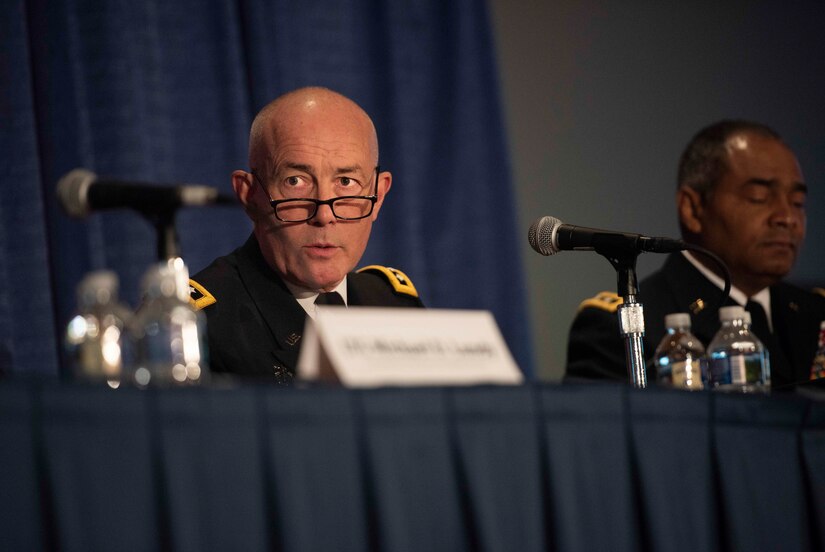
<point x="722" y="266"/>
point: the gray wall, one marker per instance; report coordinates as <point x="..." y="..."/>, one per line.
<point x="600" y="98"/>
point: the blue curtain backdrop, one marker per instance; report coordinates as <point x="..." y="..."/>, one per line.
<point x="165" y="91"/>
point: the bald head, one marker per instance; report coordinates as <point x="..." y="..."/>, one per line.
<point x="308" y="145"/>
<point x="307" y="112"/>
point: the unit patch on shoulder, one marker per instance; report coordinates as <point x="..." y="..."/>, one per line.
<point x="604" y="300"/>
<point x="199" y="297"/>
<point x="395" y="277"/>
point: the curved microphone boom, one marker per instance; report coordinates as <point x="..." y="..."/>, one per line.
<point x="81" y="191"/>
<point x="548" y="235"/>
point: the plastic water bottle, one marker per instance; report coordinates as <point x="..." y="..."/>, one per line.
<point x="97" y="340"/>
<point x="679" y="357"/>
<point x="767" y="362"/>
<point x="738" y="360"/>
<point x="169" y="334"/>
<point x="818" y="366"/>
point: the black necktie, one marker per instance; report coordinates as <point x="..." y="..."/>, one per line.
<point x="331" y="298"/>
<point x="759" y="326"/>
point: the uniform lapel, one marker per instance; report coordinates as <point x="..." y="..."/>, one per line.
<point x="354" y="291"/>
<point x="274" y="302"/>
<point x="796" y="328"/>
<point x="696" y="295"/>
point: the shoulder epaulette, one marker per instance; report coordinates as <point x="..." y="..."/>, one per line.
<point x="199" y="297"/>
<point x="395" y="277"/>
<point x="605" y="300"/>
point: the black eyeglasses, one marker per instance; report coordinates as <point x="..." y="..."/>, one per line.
<point x="305" y="208"/>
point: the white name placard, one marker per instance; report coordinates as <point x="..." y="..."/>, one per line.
<point x="371" y="346"/>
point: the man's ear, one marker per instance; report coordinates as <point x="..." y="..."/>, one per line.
<point x="244" y="186"/>
<point x="384" y="184"/>
<point x="690" y="207"/>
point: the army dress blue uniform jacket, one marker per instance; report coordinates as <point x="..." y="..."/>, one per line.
<point x="595" y="349"/>
<point x="254" y="323"/>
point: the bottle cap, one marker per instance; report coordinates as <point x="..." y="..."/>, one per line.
<point x="97" y="287"/>
<point x="677" y="320"/>
<point x="167" y="279"/>
<point x="726" y="314"/>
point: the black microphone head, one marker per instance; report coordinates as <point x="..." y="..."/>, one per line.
<point x="73" y="192"/>
<point x="542" y="235"/>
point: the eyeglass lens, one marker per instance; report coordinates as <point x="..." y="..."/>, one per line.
<point x="344" y="208"/>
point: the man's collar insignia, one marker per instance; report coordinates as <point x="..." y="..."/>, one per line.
<point x="697" y="306"/>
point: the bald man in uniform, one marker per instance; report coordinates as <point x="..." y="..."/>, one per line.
<point x="313" y="190"/>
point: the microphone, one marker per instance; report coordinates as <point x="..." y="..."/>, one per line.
<point x="81" y="191"/>
<point x="548" y="236"/>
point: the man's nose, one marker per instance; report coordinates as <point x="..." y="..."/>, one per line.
<point x="323" y="215"/>
<point x="784" y="214"/>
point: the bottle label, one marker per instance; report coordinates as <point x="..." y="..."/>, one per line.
<point x="738" y="370"/>
<point x="748" y="372"/>
<point x="686" y="374"/>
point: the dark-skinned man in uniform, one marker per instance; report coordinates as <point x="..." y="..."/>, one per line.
<point x="741" y="195"/>
<point x="313" y="190"/>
